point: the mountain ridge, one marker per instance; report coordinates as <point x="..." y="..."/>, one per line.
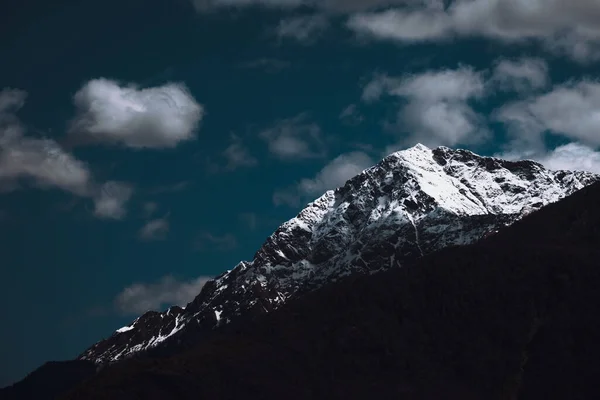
<point x="509" y="317"/>
<point x="414" y="202"/>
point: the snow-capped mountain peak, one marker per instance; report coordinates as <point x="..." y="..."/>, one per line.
<point x="412" y="203"/>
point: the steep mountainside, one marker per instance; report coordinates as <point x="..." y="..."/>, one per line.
<point x="513" y="316"/>
<point x="412" y="203"/>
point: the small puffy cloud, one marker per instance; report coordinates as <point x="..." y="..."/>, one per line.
<point x="351" y="116"/>
<point x="333" y="175"/>
<point x="238" y="155"/>
<point x="303" y="28"/>
<point x="111" y="198"/>
<point x="523" y="75"/>
<point x="293" y="139"/>
<point x="141" y="297"/>
<point x="155" y="117"/>
<point x="436" y="108"/>
<point x="208" y="241"/>
<point x="571" y="110"/>
<point x="564" y="26"/>
<point x="156" y="229"/>
<point x="403" y="25"/>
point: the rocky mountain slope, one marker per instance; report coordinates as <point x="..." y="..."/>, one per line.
<point x="513" y="316"/>
<point x="413" y="203"/>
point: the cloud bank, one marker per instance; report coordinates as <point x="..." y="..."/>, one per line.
<point x="567" y="27"/>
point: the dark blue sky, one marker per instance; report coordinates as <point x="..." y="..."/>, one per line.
<point x="292" y="102"/>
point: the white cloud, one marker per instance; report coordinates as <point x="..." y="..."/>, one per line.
<point x="44" y="164"/>
<point x="571" y="110"/>
<point x="238" y="155"/>
<point x="461" y="84"/>
<point x="294" y="138"/>
<point x="141" y="297"/>
<point x="378" y="86"/>
<point x="523" y="75"/>
<point x="111" y="198"/>
<point x="303" y="28"/>
<point x="153" y="117"/>
<point x="573" y="156"/>
<point x="402" y="25"/>
<point x="155" y="229"/>
<point x="436" y="109"/>
<point x="564" y="26"/>
<point x="333" y="175"/>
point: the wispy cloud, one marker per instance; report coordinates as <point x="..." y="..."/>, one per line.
<point x="331" y="6"/>
<point x="562" y="26"/>
<point x="523" y="75"/>
<point x="45" y="164"/>
<point x="155" y="117"/>
<point x="170" y="188"/>
<point x="206" y="241"/>
<point x="111" y="200"/>
<point x="270" y="65"/>
<point x="331" y="176"/>
<point x="436" y="108"/>
<point x="569" y="110"/>
<point x="156" y="229"/>
<point x="238" y="155"/>
<point x="294" y="139"/>
<point x="304" y="29"/>
<point x="141" y="297"/>
<point x="351" y="115"/>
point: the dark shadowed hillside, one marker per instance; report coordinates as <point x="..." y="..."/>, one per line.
<point x="513" y="316"/>
<point x="52" y="377"/>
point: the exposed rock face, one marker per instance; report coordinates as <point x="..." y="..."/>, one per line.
<point x="412" y="203"/>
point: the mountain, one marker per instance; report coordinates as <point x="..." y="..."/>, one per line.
<point x="411" y="204"/>
<point x="513" y="316"/>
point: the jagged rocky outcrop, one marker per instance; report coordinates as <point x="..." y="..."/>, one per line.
<point x="412" y="203"/>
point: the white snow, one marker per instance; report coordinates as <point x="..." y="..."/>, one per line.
<point x="124" y="329"/>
